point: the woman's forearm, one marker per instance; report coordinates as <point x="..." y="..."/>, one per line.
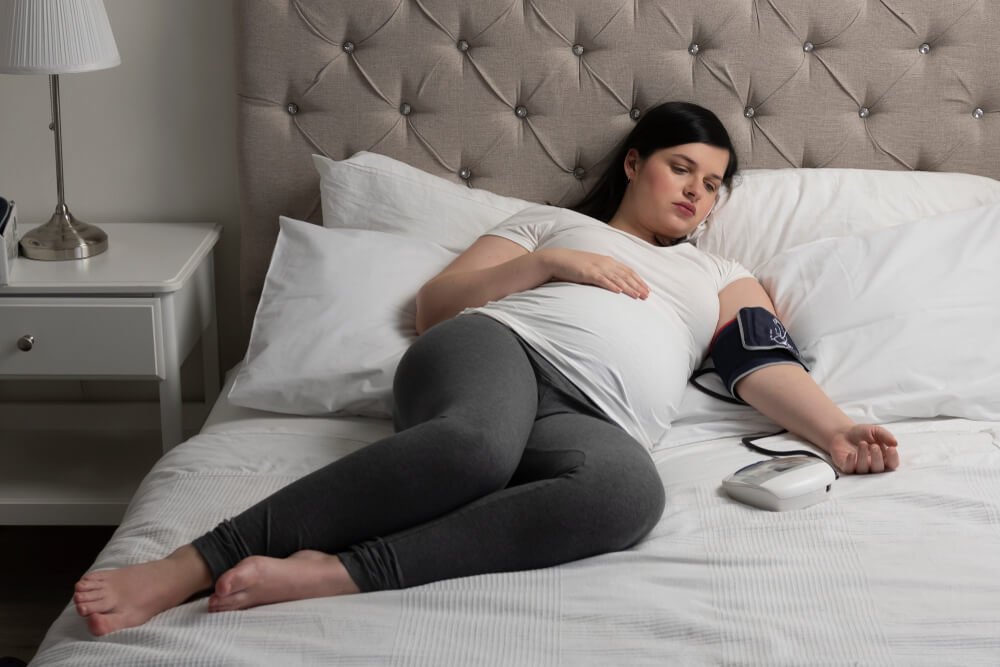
<point x="451" y="293"/>
<point x="788" y="396"/>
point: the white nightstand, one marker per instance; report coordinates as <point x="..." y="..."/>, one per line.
<point x="133" y="312"/>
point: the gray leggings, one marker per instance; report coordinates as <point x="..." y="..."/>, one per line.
<point x="498" y="464"/>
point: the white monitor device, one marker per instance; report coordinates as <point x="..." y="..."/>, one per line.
<point x="781" y="484"/>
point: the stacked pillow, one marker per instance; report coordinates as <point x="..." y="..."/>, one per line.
<point x="337" y="309"/>
<point x="336" y="314"/>
<point x="883" y="278"/>
<point x="770" y="210"/>
<point x="899" y="322"/>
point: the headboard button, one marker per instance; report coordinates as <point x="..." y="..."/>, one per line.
<point x="521" y="111"/>
<point x="634" y="113"/>
<point x="405" y="109"/>
<point x="578" y="49"/>
<point x="808" y="47"/>
<point x="925" y="48"/>
<point x="465" y="173"/>
<point x="864" y="112"/>
<point x="348" y="47"/>
<point x="579" y="173"/>
<point x="978" y="113"/>
<point x="462" y="45"/>
<point x="749" y="112"/>
<point x="292" y="108"/>
<point x="694" y="49"/>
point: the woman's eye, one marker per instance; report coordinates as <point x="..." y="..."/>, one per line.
<point x="710" y="187"/>
<point x="680" y="170"/>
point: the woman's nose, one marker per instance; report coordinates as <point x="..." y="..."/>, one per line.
<point x="691" y="189"/>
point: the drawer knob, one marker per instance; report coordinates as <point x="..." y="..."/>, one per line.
<point x="25" y="343"/>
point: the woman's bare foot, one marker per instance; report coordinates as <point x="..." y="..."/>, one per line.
<point x="114" y="599"/>
<point x="261" y="580"/>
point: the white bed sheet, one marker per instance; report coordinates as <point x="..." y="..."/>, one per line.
<point x="892" y="569"/>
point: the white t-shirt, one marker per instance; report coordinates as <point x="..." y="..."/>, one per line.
<point x="632" y="357"/>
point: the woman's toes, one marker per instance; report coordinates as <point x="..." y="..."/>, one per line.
<point x="88" y="596"/>
<point x="102" y="624"/>
<point x="225" y="585"/>
<point x="88" y="583"/>
<point x="238" y="600"/>
<point x="229" y="582"/>
<point x="101" y="606"/>
<point x="240" y="577"/>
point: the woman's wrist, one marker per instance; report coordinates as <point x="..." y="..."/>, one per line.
<point x="834" y="433"/>
<point x="545" y="262"/>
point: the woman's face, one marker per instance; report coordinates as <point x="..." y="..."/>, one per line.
<point x="671" y="191"/>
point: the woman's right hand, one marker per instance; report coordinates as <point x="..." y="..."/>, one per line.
<point x="588" y="268"/>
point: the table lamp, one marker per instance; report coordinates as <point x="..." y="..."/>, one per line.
<point x="57" y="37"/>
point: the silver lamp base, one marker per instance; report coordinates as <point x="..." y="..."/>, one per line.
<point x="64" y="237"/>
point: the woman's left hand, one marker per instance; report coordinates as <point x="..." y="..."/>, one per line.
<point x="864" y="448"/>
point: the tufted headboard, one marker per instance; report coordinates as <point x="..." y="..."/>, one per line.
<point x="528" y="97"/>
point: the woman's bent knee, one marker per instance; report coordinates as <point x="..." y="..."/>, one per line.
<point x="630" y="498"/>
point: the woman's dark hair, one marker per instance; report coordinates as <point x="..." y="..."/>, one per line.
<point x="668" y="124"/>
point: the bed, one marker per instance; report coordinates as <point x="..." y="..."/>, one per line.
<point x="869" y="209"/>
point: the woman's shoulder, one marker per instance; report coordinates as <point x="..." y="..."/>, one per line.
<point x="726" y="269"/>
<point x="549" y="216"/>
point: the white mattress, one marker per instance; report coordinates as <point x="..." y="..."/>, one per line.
<point x="899" y="569"/>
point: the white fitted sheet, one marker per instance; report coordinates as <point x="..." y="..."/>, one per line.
<point x="898" y="568"/>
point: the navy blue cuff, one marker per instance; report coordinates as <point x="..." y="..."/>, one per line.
<point x="754" y="340"/>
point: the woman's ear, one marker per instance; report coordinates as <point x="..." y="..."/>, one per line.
<point x="631" y="163"/>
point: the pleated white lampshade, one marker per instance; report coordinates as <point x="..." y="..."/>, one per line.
<point x="55" y="37"/>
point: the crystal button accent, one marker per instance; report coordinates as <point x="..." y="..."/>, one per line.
<point x="462" y="45"/>
<point x="749" y="112"/>
<point x="864" y="112"/>
<point x="292" y="108"/>
<point x="465" y="173"/>
<point x="578" y="49"/>
<point x="925" y="48"/>
<point x="579" y="173"/>
<point x="348" y="47"/>
<point x="694" y="49"/>
<point x="405" y="109"/>
<point x="634" y="113"/>
<point x="808" y="47"/>
<point x="978" y="113"/>
<point x="521" y="111"/>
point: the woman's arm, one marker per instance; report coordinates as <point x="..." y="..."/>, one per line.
<point x="494" y="267"/>
<point x="490" y="269"/>
<point x="790" y="397"/>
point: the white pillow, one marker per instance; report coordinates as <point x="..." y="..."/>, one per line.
<point x="372" y="191"/>
<point x="336" y="314"/>
<point x="770" y="210"/>
<point x="901" y="322"/>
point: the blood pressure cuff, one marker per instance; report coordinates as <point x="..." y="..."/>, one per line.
<point x="754" y="340"/>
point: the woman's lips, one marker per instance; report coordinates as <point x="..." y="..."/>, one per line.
<point x="685" y="208"/>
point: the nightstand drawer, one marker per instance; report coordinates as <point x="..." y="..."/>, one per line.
<point x="80" y="337"/>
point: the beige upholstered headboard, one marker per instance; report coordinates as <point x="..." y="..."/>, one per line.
<point x="527" y="97"/>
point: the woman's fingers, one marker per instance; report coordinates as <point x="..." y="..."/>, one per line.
<point x="877" y="464"/>
<point x="884" y="436"/>
<point x="891" y="457"/>
<point x="621" y="281"/>
<point x="849" y="463"/>
<point x="639" y="289"/>
<point x="862" y="466"/>
<point x="608" y="283"/>
<point x="640" y="284"/>
<point x="629" y="281"/>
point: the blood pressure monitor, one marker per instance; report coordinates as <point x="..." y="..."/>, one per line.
<point x="781" y="484"/>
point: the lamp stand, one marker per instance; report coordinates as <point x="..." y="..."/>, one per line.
<point x="63" y="236"/>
